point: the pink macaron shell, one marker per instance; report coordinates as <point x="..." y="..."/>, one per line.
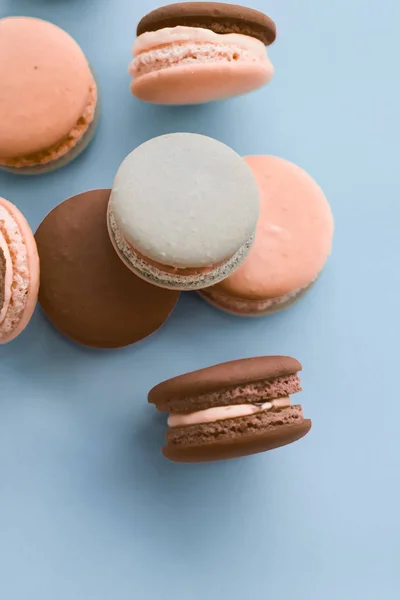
<point x="293" y="241"/>
<point x="206" y="82"/>
<point x="251" y="308"/>
<point x="45" y="85"/>
<point x="33" y="268"/>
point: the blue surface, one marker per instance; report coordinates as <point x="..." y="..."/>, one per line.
<point x="88" y="507"/>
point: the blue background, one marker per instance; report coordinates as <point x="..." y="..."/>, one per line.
<point x="88" y="507"/>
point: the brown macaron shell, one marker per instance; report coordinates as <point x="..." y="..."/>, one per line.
<point x="216" y="16"/>
<point x="173" y="395"/>
<point x="238" y="446"/>
<point x="85" y="290"/>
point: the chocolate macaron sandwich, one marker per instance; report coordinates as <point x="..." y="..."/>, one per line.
<point x="196" y="52"/>
<point x="232" y="409"/>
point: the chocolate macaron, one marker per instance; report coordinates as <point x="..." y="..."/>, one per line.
<point x="195" y="52"/>
<point x="85" y="290"/>
<point x="232" y="409"/>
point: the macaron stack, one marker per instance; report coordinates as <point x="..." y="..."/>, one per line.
<point x="185" y="213"/>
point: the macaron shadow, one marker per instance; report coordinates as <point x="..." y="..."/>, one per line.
<point x="150" y="120"/>
<point x="135" y="479"/>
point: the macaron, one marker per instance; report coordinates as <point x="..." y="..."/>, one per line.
<point x="196" y="52"/>
<point x="293" y="241"/>
<point x="85" y="290"/>
<point x="183" y="211"/>
<point x="48" y="96"/>
<point x="232" y="409"/>
<point x="19" y="272"/>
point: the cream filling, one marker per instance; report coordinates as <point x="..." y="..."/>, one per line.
<point x="221" y="413"/>
<point x="175" y="35"/>
<point x="8" y="277"/>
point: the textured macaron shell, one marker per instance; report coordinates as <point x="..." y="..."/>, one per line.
<point x="249" y="307"/>
<point x="211" y="380"/>
<point x="86" y="291"/>
<point x="206" y="82"/>
<point x="227" y="440"/>
<point x="185" y="200"/>
<point x="216" y="16"/>
<point x="293" y="236"/>
<point x="22" y="263"/>
<point x="45" y="85"/>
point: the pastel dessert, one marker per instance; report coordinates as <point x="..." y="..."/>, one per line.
<point x="293" y="241"/>
<point x="183" y="211"/>
<point x="232" y="409"/>
<point x="85" y="290"/>
<point x="196" y="52"/>
<point x="19" y="272"/>
<point x="48" y="96"/>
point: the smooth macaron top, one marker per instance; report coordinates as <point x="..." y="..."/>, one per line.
<point x="85" y="289"/>
<point x="185" y="200"/>
<point x="222" y="376"/>
<point x="45" y="80"/>
<point x="293" y="237"/>
<point x="216" y="16"/>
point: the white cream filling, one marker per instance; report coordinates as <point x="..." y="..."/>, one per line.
<point x="221" y="413"/>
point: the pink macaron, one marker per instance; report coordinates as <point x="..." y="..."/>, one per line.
<point x="196" y="52"/>
<point x="293" y="241"/>
<point x="48" y="96"/>
<point x="19" y="272"/>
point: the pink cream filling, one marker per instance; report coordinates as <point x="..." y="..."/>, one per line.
<point x="177" y="35"/>
<point x="155" y="51"/>
<point x="221" y="413"/>
<point x="7" y="279"/>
